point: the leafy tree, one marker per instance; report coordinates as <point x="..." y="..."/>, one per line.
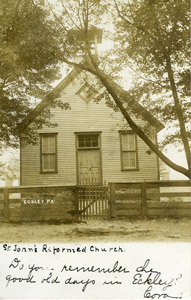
<point x="154" y="39"/>
<point x="9" y="163"/>
<point x="29" y="51"/>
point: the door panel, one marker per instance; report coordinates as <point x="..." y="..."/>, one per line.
<point x="89" y="166"/>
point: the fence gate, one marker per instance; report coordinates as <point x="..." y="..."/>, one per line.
<point x="92" y="201"/>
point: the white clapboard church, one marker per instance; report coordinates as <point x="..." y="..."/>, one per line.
<point x="90" y="142"/>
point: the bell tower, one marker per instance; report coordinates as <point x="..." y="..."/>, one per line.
<point x="93" y="36"/>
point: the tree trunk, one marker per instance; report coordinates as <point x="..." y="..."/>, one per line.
<point x="179" y="113"/>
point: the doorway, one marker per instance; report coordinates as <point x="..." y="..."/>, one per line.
<point x="88" y="158"/>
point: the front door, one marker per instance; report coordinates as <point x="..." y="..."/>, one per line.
<point x="88" y="158"/>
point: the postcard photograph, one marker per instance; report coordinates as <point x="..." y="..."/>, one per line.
<point x="95" y="149"/>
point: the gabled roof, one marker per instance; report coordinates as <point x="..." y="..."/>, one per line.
<point x="52" y="95"/>
<point x="145" y="114"/>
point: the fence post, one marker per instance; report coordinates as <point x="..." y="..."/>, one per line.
<point x="112" y="200"/>
<point x="143" y="199"/>
<point x="6" y="205"/>
<point x="76" y="205"/>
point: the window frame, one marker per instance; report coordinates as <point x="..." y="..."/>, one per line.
<point x="87" y="99"/>
<point x="97" y="133"/>
<point x="41" y="154"/>
<point x="136" y="168"/>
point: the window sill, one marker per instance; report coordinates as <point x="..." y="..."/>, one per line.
<point x="48" y="172"/>
<point x="124" y="170"/>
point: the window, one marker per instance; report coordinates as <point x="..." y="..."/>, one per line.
<point x="129" y="157"/>
<point x="48" y="149"/>
<point x="88" y="141"/>
<point x="86" y="92"/>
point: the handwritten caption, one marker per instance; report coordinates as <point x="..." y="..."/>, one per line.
<point x="85" y="275"/>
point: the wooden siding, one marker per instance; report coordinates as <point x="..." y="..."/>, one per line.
<point x="86" y="117"/>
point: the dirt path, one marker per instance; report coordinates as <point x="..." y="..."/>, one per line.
<point x="166" y="230"/>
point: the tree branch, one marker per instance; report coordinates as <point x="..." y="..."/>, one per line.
<point x="71" y="19"/>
